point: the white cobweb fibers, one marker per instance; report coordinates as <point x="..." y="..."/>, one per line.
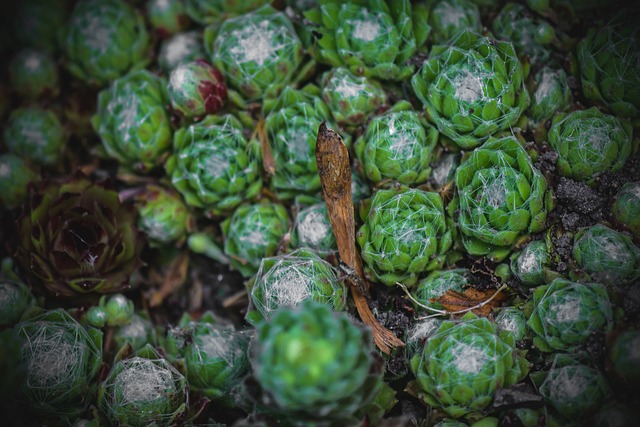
<point x="312" y="229"/>
<point x="128" y="115"/>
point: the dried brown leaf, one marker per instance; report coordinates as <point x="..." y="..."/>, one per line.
<point x="175" y="278"/>
<point x="482" y="301"/>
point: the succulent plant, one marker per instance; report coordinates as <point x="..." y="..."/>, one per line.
<point x="626" y="206"/>
<point x="214" y="11"/>
<point x="501" y="198"/>
<point x="437" y="283"/>
<point x="288" y="280"/>
<point x="551" y="94"/>
<point x="33" y="74"/>
<point x="448" y="17"/>
<point x="404" y="234"/>
<point x="35" y="134"/>
<point x="163" y="215"/>
<point x="624" y="357"/>
<point x="75" y="238"/>
<point x="15" y="177"/>
<point x="607" y="256"/>
<point x="104" y="40"/>
<point x="62" y="359"/>
<point x="253" y="232"/>
<point x="472" y="88"/>
<point x="566" y="314"/>
<point x="195" y="89"/>
<point x="15" y="299"/>
<point x="589" y="142"/>
<point x="214" y="165"/>
<point x="137" y="333"/>
<point x="167" y="17"/>
<point x="464" y="363"/>
<point x="36" y="23"/>
<point x="372" y="38"/>
<point x="529" y="264"/>
<point x="180" y="49"/>
<point x="512" y="319"/>
<point x="312" y="229"/>
<point x="315" y="366"/>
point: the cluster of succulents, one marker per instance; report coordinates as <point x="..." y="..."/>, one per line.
<point x="172" y="252"/>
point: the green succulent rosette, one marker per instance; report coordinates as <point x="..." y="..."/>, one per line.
<point x="448" y="17"/>
<point x="464" y="363"/>
<point x="35" y="134"/>
<point x="589" y="142"/>
<point x="529" y="264"/>
<point x="258" y="53"/>
<point x="15" y="299"/>
<point x="405" y="233"/>
<point x="207" y="12"/>
<point x="566" y="314"/>
<point x="608" y="59"/>
<point x="512" y="319"/>
<point x="214" y="165"/>
<point x="472" y="88"/>
<point x="15" y="177"/>
<point x="167" y="17"/>
<point x="351" y="99"/>
<point x="137" y="333"/>
<point x="133" y="122"/>
<point x="551" y="94"/>
<point x="606" y="255"/>
<point x="291" y="125"/>
<point x="253" y="232"/>
<point x="374" y="38"/>
<point x="288" y="280"/>
<point x="626" y="206"/>
<point x="104" y="40"/>
<point x="36" y="23"/>
<point x="437" y="283"/>
<point x="397" y="145"/>
<point x="623" y="356"/>
<point x="180" y="49"/>
<point x="196" y="88"/>
<point x="62" y="359"/>
<point x="33" y="74"/>
<point x="143" y="390"/>
<point x="314" y="366"/>
<point x="312" y="229"/>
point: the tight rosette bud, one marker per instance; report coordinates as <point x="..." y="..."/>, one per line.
<point x="167" y="17"/>
<point x="196" y="89"/>
<point x="472" y="88"/>
<point x="448" y="17"/>
<point x="33" y="74"/>
<point x="312" y="229"/>
<point x="437" y="283"/>
<point x="501" y="198"/>
<point x="180" y="49"/>
<point x="35" y="134"/>
<point x="529" y="265"/>
<point x="215" y="166"/>
<point x="76" y="238"/>
<point x="626" y="207"/>
<point x="551" y="94"/>
<point x="214" y="11"/>
<point x="137" y="333"/>
<point x="133" y="122"/>
<point x="15" y="177"/>
<point x="513" y="320"/>
<point x="163" y="215"/>
<point x="404" y="234"/>
<point x="15" y="299"/>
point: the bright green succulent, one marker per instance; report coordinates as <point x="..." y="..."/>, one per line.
<point x="624" y="357"/>
<point x="180" y="49"/>
<point x="464" y="363"/>
<point x="529" y="264"/>
<point x="374" y="38"/>
<point x="36" y="23"/>
<point x="472" y="88"/>
<point x="253" y="232"/>
<point x="608" y="59"/>
<point x="33" y="74"/>
<point x="397" y="145"/>
<point x="606" y="255"/>
<point x="35" y="134"/>
<point x="118" y="308"/>
<point x="448" y="17"/>
<point x="551" y="94"/>
<point x="215" y="166"/>
<point x="626" y="206"/>
<point x="214" y="11"/>
<point x="137" y="333"/>
<point x="351" y="99"/>
<point x="62" y="359"/>
<point x="15" y="299"/>
<point x="163" y="215"/>
<point x="437" y="283"/>
<point x="133" y="122"/>
<point x="104" y="40"/>
<point x="405" y="233"/>
<point x="258" y="53"/>
<point x="15" y="177"/>
<point x="512" y="319"/>
<point x="143" y="390"/>
<point x="288" y="280"/>
<point x="501" y="198"/>
<point x="167" y="17"/>
<point x="195" y="89"/>
<point x="312" y="229"/>
<point x="589" y="142"/>
<point x="566" y="314"/>
<point x="315" y="366"/>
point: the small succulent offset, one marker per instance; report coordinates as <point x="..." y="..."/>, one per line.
<point x="501" y="198"/>
<point x="626" y="206"/>
<point x="437" y="283"/>
<point x="137" y="333"/>
<point x="35" y="134"/>
<point x="212" y="11"/>
<point x="607" y="256"/>
<point x="404" y="234"/>
<point x="397" y="145"/>
<point x="566" y="314"/>
<point x="33" y="74"/>
<point x="374" y="38"/>
<point x="133" y="122"/>
<point x="448" y="17"/>
<point x="62" y="359"/>
<point x="314" y="366"/>
<point x="288" y="280"/>
<point x="312" y="229"/>
<point x="195" y="89"/>
<point x="117" y="310"/>
<point x="180" y="49"/>
<point x="589" y="142"/>
<point x="15" y="177"/>
<point x="214" y="165"/>
<point x="15" y="299"/>
<point x="104" y="40"/>
<point x="551" y="94"/>
<point x="163" y="215"/>
<point x="529" y="264"/>
<point x="512" y="319"/>
<point x="76" y="238"/>
<point x="464" y="363"/>
<point x="167" y="17"/>
<point x="472" y="88"/>
<point x="258" y="53"/>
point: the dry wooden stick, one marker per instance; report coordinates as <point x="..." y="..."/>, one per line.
<point x="332" y="158"/>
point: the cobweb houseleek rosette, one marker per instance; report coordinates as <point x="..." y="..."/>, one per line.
<point x="405" y="233"/>
<point x="501" y="198"/>
<point x="35" y="134"/>
<point x="15" y="299"/>
<point x="312" y="229"/>
<point x="626" y="206"/>
<point x="207" y="12"/>
<point x="472" y="88"/>
<point x="374" y="38"/>
<point x="550" y="94"/>
<point x="214" y="165"/>
<point x="34" y="74"/>
<point x="179" y="49"/>
<point x="15" y="177"/>
<point x="166" y="17"/>
<point x="196" y="89"/>
<point x="448" y="17"/>
<point x="437" y="283"/>
<point x="397" y="145"/>
<point x="133" y="122"/>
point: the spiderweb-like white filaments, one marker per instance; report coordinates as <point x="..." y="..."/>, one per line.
<point x="214" y="343"/>
<point x="180" y="48"/>
<point x="312" y="229"/>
